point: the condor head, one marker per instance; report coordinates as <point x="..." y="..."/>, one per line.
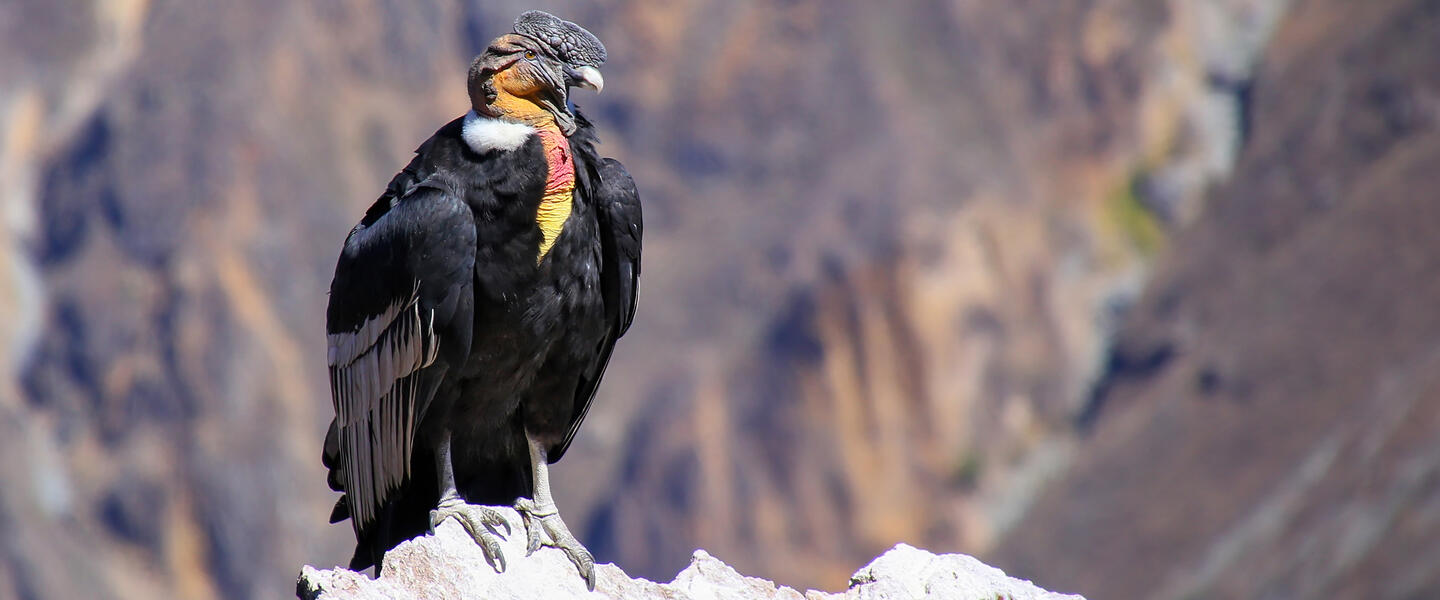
<point x="526" y="76"/>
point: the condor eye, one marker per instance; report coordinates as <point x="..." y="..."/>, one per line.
<point x="529" y="55"/>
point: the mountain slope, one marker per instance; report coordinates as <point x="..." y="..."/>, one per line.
<point x="1288" y="437"/>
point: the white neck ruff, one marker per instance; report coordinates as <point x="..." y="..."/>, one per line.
<point x="484" y="134"/>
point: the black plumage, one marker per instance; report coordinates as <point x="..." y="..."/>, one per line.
<point x="454" y="334"/>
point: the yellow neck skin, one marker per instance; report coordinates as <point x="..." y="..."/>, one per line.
<point x="559" y="198"/>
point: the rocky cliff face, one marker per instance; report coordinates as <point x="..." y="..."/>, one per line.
<point x="887" y="250"/>
<point x="1270" y="428"/>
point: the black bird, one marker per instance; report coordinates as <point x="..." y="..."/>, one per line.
<point x="476" y="305"/>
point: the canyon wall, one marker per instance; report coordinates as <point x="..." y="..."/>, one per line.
<point x="889" y="251"/>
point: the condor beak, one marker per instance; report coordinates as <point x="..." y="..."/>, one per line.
<point x="589" y="77"/>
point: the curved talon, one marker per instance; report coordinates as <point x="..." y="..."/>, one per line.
<point x="481" y="522"/>
<point x="529" y="510"/>
<point x="532" y="536"/>
<point x="549" y="520"/>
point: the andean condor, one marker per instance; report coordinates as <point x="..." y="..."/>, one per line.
<point x="475" y="307"/>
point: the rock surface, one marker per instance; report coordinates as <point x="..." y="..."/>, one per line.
<point x="450" y="565"/>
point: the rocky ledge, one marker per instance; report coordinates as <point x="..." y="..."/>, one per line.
<point x="450" y="565"/>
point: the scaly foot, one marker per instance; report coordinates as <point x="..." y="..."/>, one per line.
<point x="547" y="517"/>
<point x="481" y="522"/>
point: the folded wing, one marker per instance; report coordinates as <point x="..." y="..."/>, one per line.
<point x="620" y="228"/>
<point x="399" y="303"/>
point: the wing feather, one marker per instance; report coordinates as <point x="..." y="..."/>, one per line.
<point x="396" y="269"/>
<point x="620" y="229"/>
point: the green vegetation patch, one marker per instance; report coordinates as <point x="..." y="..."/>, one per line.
<point x="1139" y="225"/>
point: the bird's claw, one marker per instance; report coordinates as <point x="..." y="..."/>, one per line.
<point x="539" y="517"/>
<point x="481" y="522"/>
<point x="529" y="511"/>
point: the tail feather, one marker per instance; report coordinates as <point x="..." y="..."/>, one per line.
<point x="331" y="455"/>
<point x="497" y="479"/>
<point x="406" y="514"/>
<point x="341" y="510"/>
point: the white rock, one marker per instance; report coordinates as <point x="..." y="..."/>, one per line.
<point x="449" y="565"/>
<point x="906" y="572"/>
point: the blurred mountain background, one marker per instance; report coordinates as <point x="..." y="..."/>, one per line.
<point x="1139" y="299"/>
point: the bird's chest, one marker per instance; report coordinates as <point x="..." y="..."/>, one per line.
<point x="537" y="267"/>
<point x="524" y="203"/>
<point x="566" y="290"/>
<point x="558" y="307"/>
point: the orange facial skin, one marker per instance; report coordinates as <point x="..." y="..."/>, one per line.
<point x="516" y="89"/>
<point x="517" y="86"/>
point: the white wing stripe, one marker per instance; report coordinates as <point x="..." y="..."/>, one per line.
<point x="344" y="348"/>
<point x="374" y="389"/>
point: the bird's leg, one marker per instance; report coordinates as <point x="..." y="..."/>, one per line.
<point x="540" y="513"/>
<point x="481" y="522"/>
